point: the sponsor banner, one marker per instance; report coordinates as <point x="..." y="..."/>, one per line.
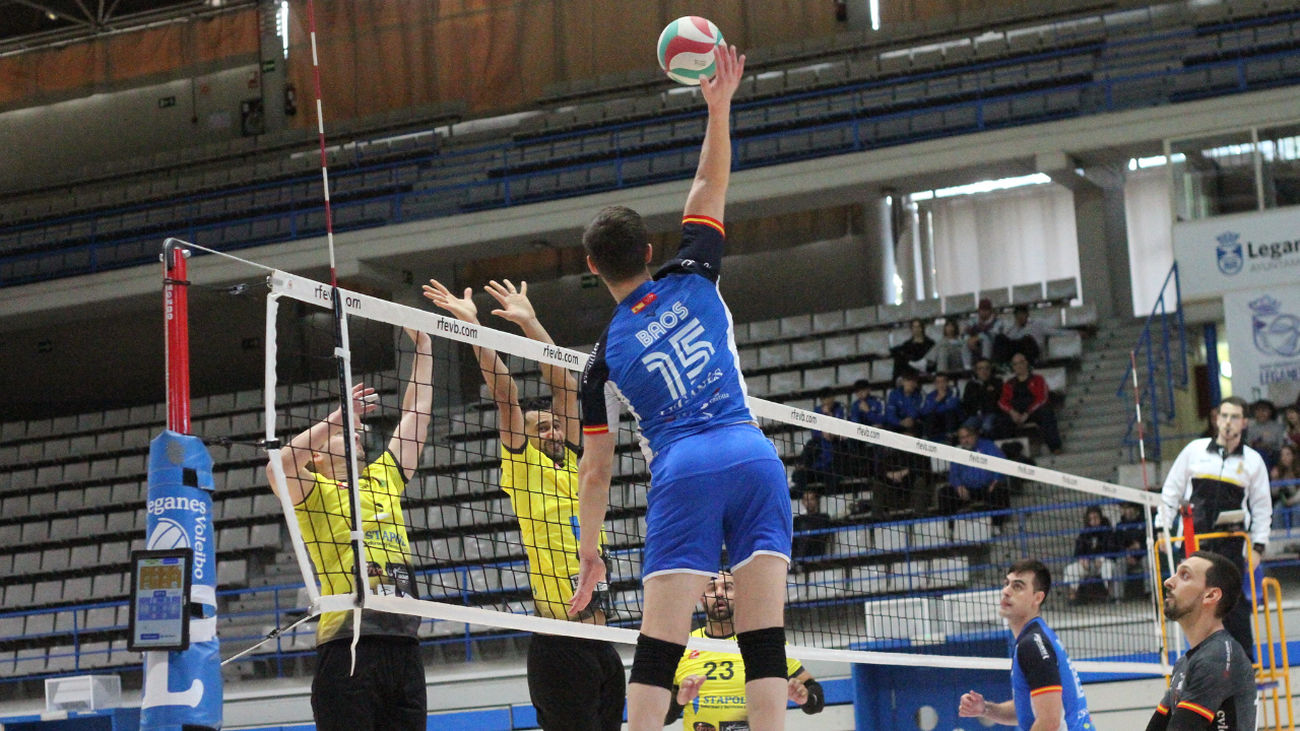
<point x="184" y="689"/>
<point x="1240" y="251"/>
<point x="1264" y="341"/>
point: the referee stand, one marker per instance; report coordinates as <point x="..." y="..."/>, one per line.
<point x="1272" y="679"/>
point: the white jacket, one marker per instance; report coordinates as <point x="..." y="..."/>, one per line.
<point x="1214" y="481"/>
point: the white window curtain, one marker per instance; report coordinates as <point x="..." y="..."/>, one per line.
<point x="1150" y="220"/>
<point x="1002" y="239"/>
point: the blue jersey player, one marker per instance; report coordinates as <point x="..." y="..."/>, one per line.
<point x="1046" y="693"/>
<point x="670" y="357"/>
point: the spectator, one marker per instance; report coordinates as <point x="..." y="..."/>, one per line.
<point x="1014" y="449"/>
<point x="812" y="519"/>
<point x="968" y="484"/>
<point x="1025" y="336"/>
<point x="1024" y="401"/>
<point x="1091" y="549"/>
<point x="909" y="355"/>
<point x="1131" y="540"/>
<point x="949" y="355"/>
<point x="979" y="402"/>
<point x="1291" y="422"/>
<point x="981" y="329"/>
<point x="1286" y="470"/>
<point x="941" y="410"/>
<point x="903" y="406"/>
<point x="820" y="458"/>
<point x="866" y="409"/>
<point x="1266" y="433"/>
<point x="900" y="483"/>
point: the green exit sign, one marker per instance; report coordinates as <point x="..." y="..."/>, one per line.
<point x="268" y="66"/>
<point x="167" y="101"/>
<point x="589" y="281"/>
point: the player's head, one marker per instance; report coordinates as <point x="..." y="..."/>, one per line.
<point x="1204" y="582"/>
<point x="967" y="436"/>
<point x="332" y="460"/>
<point x="719" y="596"/>
<point x="617" y="245"/>
<point x="1231" y="421"/>
<point x="543" y="429"/>
<point x="1024" y="590"/>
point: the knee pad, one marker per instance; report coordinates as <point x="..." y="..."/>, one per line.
<point x="763" y="651"/>
<point x="655" y="662"/>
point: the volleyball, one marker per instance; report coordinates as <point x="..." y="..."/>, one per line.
<point x="686" y="48"/>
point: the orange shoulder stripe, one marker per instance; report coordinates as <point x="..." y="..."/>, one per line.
<point x="1045" y="689"/>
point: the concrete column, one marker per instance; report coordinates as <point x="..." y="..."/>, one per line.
<point x="878" y="240"/>
<point x="273" y="72"/>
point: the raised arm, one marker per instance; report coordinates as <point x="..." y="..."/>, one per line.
<point x="594" y="472"/>
<point x="516" y="307"/>
<point x="417" y="407"/>
<point x="708" y="194"/>
<point x="297" y="455"/>
<point x="504" y="390"/>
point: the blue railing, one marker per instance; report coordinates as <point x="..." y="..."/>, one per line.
<point x="1113" y="74"/>
<point x="1160" y="356"/>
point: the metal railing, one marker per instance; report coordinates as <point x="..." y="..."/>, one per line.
<point x="1159" y="358"/>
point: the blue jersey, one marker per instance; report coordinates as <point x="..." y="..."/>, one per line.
<point x="669" y="353"/>
<point x="1039" y="665"/>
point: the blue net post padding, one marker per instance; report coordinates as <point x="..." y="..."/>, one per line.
<point x="183" y="689"/>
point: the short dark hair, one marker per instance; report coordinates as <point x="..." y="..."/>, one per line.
<point x="1223" y="575"/>
<point x="1237" y="401"/>
<point x="861" y="383"/>
<point x="1019" y="309"/>
<point x="616" y="241"/>
<point x="1042" y="577"/>
<point x="1266" y="404"/>
<point x="537" y="403"/>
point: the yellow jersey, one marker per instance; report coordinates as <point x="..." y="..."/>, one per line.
<point x="721" y="702"/>
<point x="325" y="519"/>
<point x="544" y="495"/>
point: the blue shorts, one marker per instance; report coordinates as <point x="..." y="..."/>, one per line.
<point x="726" y="484"/>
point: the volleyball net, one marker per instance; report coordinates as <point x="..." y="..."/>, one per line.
<point x="891" y="563"/>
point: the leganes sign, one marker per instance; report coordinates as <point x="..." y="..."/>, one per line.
<point x="1243" y="251"/>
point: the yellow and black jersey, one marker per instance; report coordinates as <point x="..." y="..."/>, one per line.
<point x="544" y="495"/>
<point x="721" y="701"/>
<point x="325" y="519"/>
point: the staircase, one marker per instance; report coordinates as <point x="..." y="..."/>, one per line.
<point x="1093" y="420"/>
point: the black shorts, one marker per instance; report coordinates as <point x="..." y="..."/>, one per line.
<point x="386" y="693"/>
<point x="576" y="684"/>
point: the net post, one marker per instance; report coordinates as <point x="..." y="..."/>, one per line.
<point x="177" y="339"/>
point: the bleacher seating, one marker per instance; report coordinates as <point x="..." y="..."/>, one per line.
<point x="817" y="98"/>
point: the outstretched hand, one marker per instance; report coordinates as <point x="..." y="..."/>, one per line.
<point x="729" y="68"/>
<point x="591" y="571"/>
<point x="364" y="400"/>
<point x="515" y="305"/>
<point x="461" y="308"/>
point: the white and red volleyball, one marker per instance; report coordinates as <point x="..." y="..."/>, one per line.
<point x="686" y="49"/>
